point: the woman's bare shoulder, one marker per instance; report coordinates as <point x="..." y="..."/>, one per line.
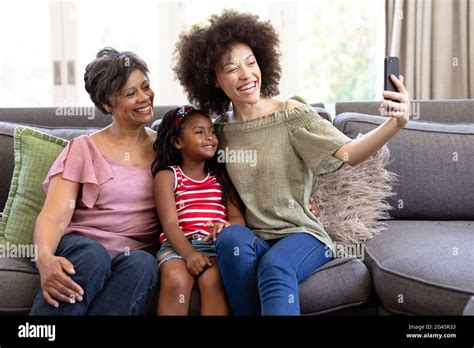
<point x="102" y="135"/>
<point x="99" y="136"/>
<point x="293" y="103"/>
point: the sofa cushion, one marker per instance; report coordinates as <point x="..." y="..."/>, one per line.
<point x="20" y="284"/>
<point x="434" y="161"/>
<point x="469" y="310"/>
<point x="341" y="283"/>
<point x="35" y="152"/>
<point x="423" y="267"/>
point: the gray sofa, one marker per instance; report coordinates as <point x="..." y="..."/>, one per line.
<point x="423" y="264"/>
<point x="404" y="269"/>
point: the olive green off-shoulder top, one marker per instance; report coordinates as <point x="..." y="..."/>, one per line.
<point x="271" y="161"/>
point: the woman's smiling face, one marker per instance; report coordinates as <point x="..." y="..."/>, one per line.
<point x="134" y="102"/>
<point x="238" y="75"/>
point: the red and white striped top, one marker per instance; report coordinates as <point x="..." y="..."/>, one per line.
<point x="197" y="203"/>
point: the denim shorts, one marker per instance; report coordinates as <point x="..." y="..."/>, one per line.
<point x="166" y="252"/>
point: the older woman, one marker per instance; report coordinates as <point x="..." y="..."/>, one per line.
<point x="98" y="224"/>
<point x="235" y="60"/>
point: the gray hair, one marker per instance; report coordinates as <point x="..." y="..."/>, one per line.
<point x="106" y="75"/>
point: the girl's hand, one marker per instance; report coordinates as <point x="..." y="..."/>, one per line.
<point x="196" y="263"/>
<point x="215" y="229"/>
<point x="313" y="207"/>
<point x="401" y="110"/>
<point x="56" y="283"/>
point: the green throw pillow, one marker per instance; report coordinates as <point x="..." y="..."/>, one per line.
<point x="35" y="152"/>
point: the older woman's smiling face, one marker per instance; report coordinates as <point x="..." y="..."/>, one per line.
<point x="134" y="103"/>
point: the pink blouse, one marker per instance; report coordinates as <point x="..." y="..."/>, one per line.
<point x="116" y="206"/>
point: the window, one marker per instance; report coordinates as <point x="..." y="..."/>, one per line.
<point x="26" y="68"/>
<point x="340" y="50"/>
<point x="332" y="49"/>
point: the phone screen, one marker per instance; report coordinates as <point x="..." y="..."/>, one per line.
<point x="391" y="67"/>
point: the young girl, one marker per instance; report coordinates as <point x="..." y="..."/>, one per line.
<point x="193" y="204"/>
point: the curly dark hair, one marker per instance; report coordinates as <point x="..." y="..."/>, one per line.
<point x="167" y="155"/>
<point x="199" y="50"/>
<point x="106" y="75"/>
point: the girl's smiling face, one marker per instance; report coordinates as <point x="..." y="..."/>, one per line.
<point x="197" y="140"/>
<point x="238" y="75"/>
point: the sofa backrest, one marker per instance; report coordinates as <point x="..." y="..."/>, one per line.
<point x="65" y="123"/>
<point x="449" y="111"/>
<point x="433" y="157"/>
<point x="83" y="116"/>
<point x="318" y="107"/>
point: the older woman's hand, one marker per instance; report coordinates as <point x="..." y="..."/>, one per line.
<point x="56" y="282"/>
<point x="399" y="109"/>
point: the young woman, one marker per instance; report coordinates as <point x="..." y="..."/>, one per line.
<point x="235" y="61"/>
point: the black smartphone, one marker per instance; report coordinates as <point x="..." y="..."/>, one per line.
<point x="391" y="67"/>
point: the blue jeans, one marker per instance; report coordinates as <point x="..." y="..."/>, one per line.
<point x="262" y="277"/>
<point x="125" y="285"/>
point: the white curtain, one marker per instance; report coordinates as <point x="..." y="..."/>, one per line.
<point x="435" y="42"/>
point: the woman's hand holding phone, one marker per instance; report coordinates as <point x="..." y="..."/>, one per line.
<point x="396" y="104"/>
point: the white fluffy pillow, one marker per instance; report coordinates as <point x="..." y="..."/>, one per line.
<point x="352" y="201"/>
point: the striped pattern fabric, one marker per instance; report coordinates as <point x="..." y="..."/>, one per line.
<point x="197" y="203"/>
